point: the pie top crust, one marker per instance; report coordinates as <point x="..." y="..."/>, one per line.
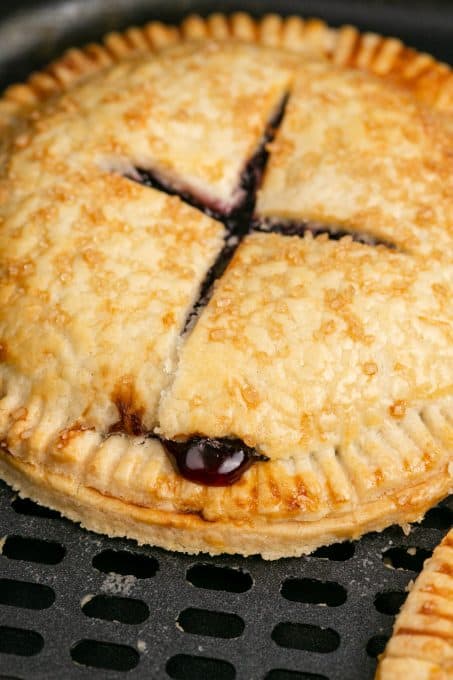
<point x="123" y="259"/>
<point x="342" y="352"/>
<point x="362" y="158"/>
<point x="193" y="116"/>
<point x="292" y="352"/>
<point x="422" y="640"/>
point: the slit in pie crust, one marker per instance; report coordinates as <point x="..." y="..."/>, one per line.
<point x="328" y="359"/>
<point x="363" y="158"/>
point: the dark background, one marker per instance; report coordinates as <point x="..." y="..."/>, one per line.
<point x="32" y="32"/>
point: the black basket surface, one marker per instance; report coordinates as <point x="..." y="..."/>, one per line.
<point x="77" y="605"/>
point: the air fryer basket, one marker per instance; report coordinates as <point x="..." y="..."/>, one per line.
<point x="77" y="605"/>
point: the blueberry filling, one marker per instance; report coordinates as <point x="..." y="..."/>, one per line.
<point x="150" y="179"/>
<point x="223" y="461"/>
<point x="212" y="462"/>
<point x="218" y="462"/>
<point x="237" y="215"/>
<point x="239" y="220"/>
<point x="253" y="172"/>
<point x="295" y="228"/>
<point x="241" y="208"/>
<point x="214" y="273"/>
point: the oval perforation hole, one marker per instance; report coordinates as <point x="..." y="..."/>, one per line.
<point x="33" y="550"/>
<point x="376" y="645"/>
<point x="212" y="577"/>
<point x="313" y="591"/>
<point x="125" y="563"/>
<point x="438" y="518"/>
<point x="24" y="506"/>
<point x="26" y="595"/>
<point x="186" y="667"/>
<point x="120" y="609"/>
<point x="283" y="674"/>
<point x="410" y="559"/>
<point x="337" y="552"/>
<point x="390" y="602"/>
<point x="20" y="641"/>
<point x="105" y="655"/>
<point x="211" y="623"/>
<point x="306" y="637"/>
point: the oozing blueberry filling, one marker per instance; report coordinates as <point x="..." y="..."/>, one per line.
<point x="221" y="462"/>
<point x="212" y="462"/>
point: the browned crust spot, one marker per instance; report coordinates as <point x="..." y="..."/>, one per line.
<point x="3" y="351"/>
<point x="130" y="413"/>
<point x="71" y="433"/>
<point x="446" y="569"/>
<point x="187" y="531"/>
<point x="431" y="609"/>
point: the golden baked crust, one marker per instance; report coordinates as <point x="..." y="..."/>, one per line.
<point x="306" y="342"/>
<point x="96" y="286"/>
<point x="193" y="116"/>
<point x="108" y="271"/>
<point x="189" y="532"/>
<point x="358" y="156"/>
<point x="429" y="80"/>
<point x="326" y="356"/>
<point x="422" y="642"/>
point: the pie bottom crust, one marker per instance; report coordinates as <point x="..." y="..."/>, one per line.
<point x="190" y="533"/>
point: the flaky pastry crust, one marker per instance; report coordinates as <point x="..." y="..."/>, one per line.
<point x="364" y="159"/>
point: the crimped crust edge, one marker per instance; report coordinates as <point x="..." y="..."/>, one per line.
<point x="189" y="532"/>
<point x="429" y="80"/>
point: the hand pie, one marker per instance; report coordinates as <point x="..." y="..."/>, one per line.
<point x="422" y="640"/>
<point x="226" y="282"/>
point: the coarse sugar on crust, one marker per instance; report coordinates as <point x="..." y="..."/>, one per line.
<point x="96" y="287"/>
<point x="311" y="351"/>
<point x="190" y="532"/>
<point x="361" y="155"/>
<point x="193" y="116"/>
<point x="306" y="341"/>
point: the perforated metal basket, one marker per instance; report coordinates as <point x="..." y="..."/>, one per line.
<point x="77" y="605"/>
